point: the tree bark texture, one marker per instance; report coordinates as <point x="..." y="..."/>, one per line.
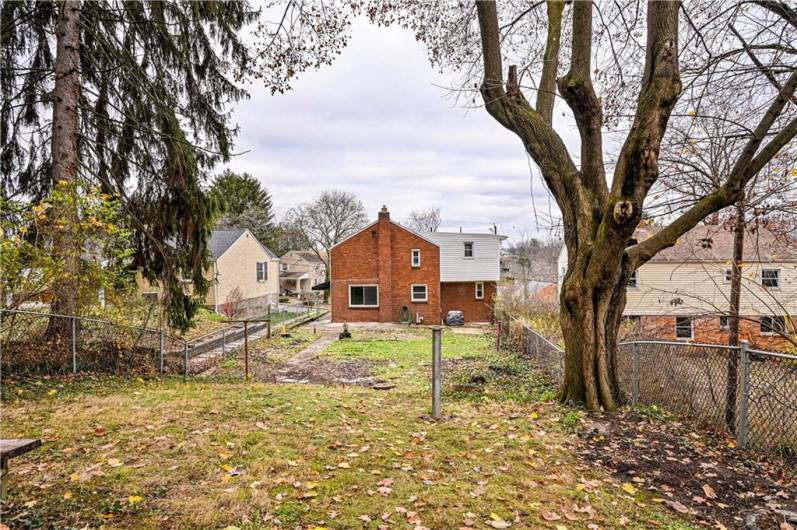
<point x="599" y="220"/>
<point x="66" y="165"/>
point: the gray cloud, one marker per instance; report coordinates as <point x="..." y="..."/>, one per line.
<point x="377" y="123"/>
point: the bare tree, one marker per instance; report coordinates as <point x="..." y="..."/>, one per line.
<point x="327" y="220"/>
<point x="629" y="65"/>
<point x="428" y="220"/>
<point x="599" y="219"/>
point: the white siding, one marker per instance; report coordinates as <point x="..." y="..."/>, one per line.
<point x="698" y="288"/>
<point x="455" y="267"/>
<point x="561" y="269"/>
<point x="695" y="288"/>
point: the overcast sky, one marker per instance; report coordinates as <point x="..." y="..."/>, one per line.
<point x="377" y="123"/>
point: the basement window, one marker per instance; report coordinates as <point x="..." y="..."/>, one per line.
<point x="773" y="325"/>
<point x="684" y="328"/>
<point x="416" y="257"/>
<point x="363" y="296"/>
<point x="479" y="291"/>
<point x="419" y="292"/>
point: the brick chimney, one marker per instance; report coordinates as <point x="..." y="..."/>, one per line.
<point x="385" y="265"/>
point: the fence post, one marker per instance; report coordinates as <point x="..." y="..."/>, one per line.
<point x="268" y="324"/>
<point x="74" y="345"/>
<point x="246" y="349"/>
<point x="223" y="342"/>
<point x="185" y="362"/>
<point x="635" y="382"/>
<point x="161" y="352"/>
<point x="744" y="395"/>
<point x="437" y="376"/>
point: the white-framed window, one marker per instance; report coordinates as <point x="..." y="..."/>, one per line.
<point x="262" y="271"/>
<point x="363" y="296"/>
<point x="684" y="328"/>
<point x="770" y="277"/>
<point x="724" y="322"/>
<point x="479" y="291"/>
<point x="727" y="274"/>
<point x="773" y="325"/>
<point x="632" y="279"/>
<point x="284" y="267"/>
<point x="419" y="292"/>
<point x="415" y="257"/>
<point x="468" y="249"/>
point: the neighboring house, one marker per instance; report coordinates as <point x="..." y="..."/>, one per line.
<point x="300" y="270"/>
<point x="388" y="273"/>
<point x="527" y="268"/>
<point x="683" y="293"/>
<point x="240" y="261"/>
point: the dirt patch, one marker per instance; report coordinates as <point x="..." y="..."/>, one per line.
<point x="326" y="372"/>
<point x="703" y="476"/>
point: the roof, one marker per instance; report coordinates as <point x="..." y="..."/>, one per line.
<point x="221" y="240"/>
<point x="715" y="243"/>
<point x="293" y="275"/>
<point x="459" y="235"/>
<point x="307" y="255"/>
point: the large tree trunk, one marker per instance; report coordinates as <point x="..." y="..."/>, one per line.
<point x="65" y="166"/>
<point x="590" y="317"/>
<point x="733" y="315"/>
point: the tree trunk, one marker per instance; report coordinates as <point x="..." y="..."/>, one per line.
<point x="733" y="315"/>
<point x="590" y="318"/>
<point x="65" y="166"/>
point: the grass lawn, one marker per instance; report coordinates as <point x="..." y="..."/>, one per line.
<point x="218" y="452"/>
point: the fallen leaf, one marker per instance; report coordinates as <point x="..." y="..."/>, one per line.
<point x="135" y="499"/>
<point x="629" y="488"/>
<point x="677" y="506"/>
<point x="550" y="516"/>
<point x="114" y="462"/>
<point x="709" y="491"/>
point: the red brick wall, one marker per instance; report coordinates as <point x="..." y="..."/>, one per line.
<point x="707" y="330"/>
<point x="381" y="254"/>
<point x="461" y="296"/>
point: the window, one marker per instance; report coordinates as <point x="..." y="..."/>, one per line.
<point x="632" y="280"/>
<point x="469" y="249"/>
<point x="770" y="277"/>
<point x="773" y="325"/>
<point x="727" y="275"/>
<point x="419" y="292"/>
<point x="363" y="296"/>
<point x="262" y="271"/>
<point x="479" y="290"/>
<point x="416" y="257"/>
<point x="284" y="267"/>
<point x="683" y="328"/>
<point x="724" y="322"/>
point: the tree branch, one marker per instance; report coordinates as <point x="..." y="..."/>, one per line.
<point x="546" y="94"/>
<point x="577" y="90"/>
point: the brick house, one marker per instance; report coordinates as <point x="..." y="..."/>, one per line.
<point x="389" y="273"/>
<point x="683" y="292"/>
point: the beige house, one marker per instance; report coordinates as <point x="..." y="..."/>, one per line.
<point x="300" y="270"/>
<point x="239" y="261"/>
<point x="683" y="293"/>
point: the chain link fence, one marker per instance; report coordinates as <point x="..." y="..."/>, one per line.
<point x="34" y="343"/>
<point x="751" y="393"/>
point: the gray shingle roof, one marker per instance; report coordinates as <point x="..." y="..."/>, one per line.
<point x="221" y="240"/>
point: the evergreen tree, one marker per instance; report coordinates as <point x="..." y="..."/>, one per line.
<point x="129" y="96"/>
<point x="245" y="203"/>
